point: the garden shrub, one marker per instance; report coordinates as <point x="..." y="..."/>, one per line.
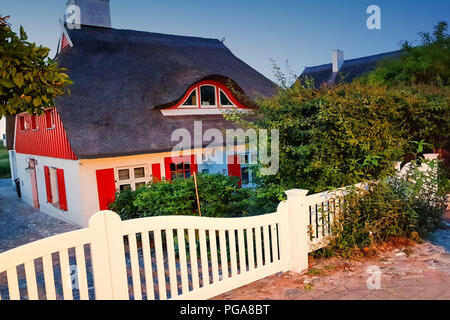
<point x="401" y="206"/>
<point x="220" y="196"/>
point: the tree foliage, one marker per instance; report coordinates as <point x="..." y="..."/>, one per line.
<point x="29" y="80"/>
<point x="427" y="63"/>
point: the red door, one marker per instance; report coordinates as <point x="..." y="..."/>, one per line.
<point x="33" y="180"/>
<point x="106" y="186"/>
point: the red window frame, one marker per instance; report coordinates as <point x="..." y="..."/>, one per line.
<point x="34" y="125"/>
<point x="49" y="119"/>
<point x="22" y="123"/>
<point x="218" y="86"/>
<point x="184" y="160"/>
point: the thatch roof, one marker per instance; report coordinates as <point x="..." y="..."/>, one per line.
<point x="350" y="70"/>
<point x="122" y="77"/>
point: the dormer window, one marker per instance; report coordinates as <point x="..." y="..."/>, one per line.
<point x="205" y="98"/>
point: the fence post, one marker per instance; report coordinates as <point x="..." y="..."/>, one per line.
<point x="296" y="227"/>
<point x="108" y="257"/>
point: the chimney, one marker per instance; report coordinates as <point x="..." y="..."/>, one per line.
<point x="93" y="12"/>
<point x="338" y="60"/>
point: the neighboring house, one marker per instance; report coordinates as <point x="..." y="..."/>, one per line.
<point x="340" y="70"/>
<point x="113" y="132"/>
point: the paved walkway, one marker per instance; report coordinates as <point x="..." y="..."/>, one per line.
<point x="421" y="272"/>
<point x="21" y="224"/>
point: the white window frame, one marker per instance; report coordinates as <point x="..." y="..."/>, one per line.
<point x="220" y="100"/>
<point x="216" y="99"/>
<point x="132" y="181"/>
<point x="54" y="186"/>
<point x="182" y="106"/>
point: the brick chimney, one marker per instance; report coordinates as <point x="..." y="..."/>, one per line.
<point x="93" y="12"/>
<point x="338" y="60"/>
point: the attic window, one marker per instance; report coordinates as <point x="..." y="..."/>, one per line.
<point x="22" y="123"/>
<point x="34" y="125"/>
<point x="49" y="119"/>
<point x="205" y="98"/>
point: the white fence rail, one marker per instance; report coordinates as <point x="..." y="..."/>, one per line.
<point x="175" y="257"/>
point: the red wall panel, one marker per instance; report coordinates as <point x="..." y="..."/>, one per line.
<point x="234" y="167"/>
<point x="43" y="142"/>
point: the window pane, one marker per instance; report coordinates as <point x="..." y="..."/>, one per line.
<point x="192" y="100"/>
<point x="173" y="167"/>
<point x="125" y="187"/>
<point x="245" y="176"/>
<point x="140" y="185"/>
<point x="33" y="123"/>
<point x="224" y="101"/>
<point x="208" y="94"/>
<point x="124" y="174"/>
<point x="187" y="166"/>
<point x="139" y="173"/>
<point x="180" y="166"/>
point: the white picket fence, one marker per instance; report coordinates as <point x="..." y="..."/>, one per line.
<point x="172" y="257"/>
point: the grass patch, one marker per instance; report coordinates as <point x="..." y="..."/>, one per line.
<point x="5" y="171"/>
<point x="315" y="272"/>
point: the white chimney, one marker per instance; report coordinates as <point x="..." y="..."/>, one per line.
<point x="93" y="12"/>
<point x="338" y="60"/>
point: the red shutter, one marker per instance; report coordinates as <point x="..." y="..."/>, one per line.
<point x="106" y="185"/>
<point x="234" y="167"/>
<point x="156" y="172"/>
<point x="61" y="189"/>
<point x="48" y="185"/>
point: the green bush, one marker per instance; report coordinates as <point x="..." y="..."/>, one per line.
<point x="220" y="196"/>
<point x="408" y="206"/>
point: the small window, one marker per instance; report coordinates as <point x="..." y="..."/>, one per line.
<point x="191" y="100"/>
<point x="180" y="170"/>
<point x="50" y="122"/>
<point x="208" y="95"/>
<point x="22" y="123"/>
<point x="245" y="175"/>
<point x="224" y="101"/>
<point x="124" y="174"/>
<point x="131" y="178"/>
<point x="139" y="172"/>
<point x="34" y="122"/>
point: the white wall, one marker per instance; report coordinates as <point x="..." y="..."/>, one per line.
<point x="75" y="213"/>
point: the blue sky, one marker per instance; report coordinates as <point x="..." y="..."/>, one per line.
<point x="302" y="32"/>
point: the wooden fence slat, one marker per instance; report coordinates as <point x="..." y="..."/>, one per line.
<point x="148" y="268"/>
<point x="66" y="277"/>
<point x="160" y="266"/>
<point x="82" y="278"/>
<point x="13" y="284"/>
<point x="232" y="237"/>
<point x="223" y="254"/>
<point x="214" y="259"/>
<point x="258" y="246"/>
<point x="135" y="272"/>
<point x="241" y="241"/>
<point x="274" y="236"/>
<point x="49" y="278"/>
<point x="194" y="260"/>
<point x="250" y="249"/>
<point x="204" y="258"/>
<point x="266" y="245"/>
<point x="30" y="275"/>
<point x="172" y="266"/>
<point x="183" y="261"/>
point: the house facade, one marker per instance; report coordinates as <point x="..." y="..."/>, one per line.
<point x="133" y="94"/>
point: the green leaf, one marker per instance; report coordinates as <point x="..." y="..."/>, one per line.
<point x="7" y="83"/>
<point x="19" y="80"/>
